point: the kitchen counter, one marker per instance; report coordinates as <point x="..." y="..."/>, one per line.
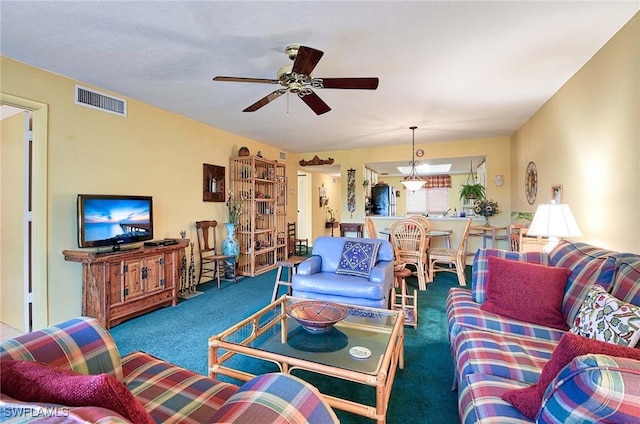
<point x="431" y="218"/>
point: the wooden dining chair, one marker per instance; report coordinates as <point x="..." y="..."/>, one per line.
<point x="211" y="263"/>
<point x="409" y="240"/>
<point x="456" y="257"/>
<point x="296" y="244"/>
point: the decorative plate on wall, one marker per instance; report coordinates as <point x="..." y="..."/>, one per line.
<point x="531" y="182"/>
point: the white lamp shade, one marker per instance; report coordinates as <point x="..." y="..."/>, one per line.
<point x="413" y="185"/>
<point x="554" y="220"/>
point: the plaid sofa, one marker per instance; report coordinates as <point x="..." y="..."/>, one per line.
<point x="169" y="393"/>
<point x="493" y="354"/>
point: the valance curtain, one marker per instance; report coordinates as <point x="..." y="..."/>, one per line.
<point x="438" y="181"/>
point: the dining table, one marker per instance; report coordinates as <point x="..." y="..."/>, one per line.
<point x="430" y="234"/>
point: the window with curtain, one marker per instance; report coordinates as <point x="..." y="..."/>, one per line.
<point x="433" y="197"/>
<point x="433" y="200"/>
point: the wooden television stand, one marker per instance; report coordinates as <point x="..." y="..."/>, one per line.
<point x="120" y="285"/>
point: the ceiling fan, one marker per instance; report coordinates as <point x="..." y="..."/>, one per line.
<point x="297" y="79"/>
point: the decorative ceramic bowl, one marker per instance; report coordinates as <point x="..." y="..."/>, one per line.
<point x="317" y="316"/>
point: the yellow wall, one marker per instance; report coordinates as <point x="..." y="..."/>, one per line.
<point x="150" y="152"/>
<point x="587" y="138"/>
<point x="12" y="189"/>
<point x="319" y="214"/>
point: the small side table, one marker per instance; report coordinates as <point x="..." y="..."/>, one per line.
<point x="292" y="264"/>
<point x="332" y="225"/>
<point x="409" y="304"/>
<point x="352" y="227"/>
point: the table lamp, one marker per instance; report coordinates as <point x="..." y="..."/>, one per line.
<point x="555" y="221"/>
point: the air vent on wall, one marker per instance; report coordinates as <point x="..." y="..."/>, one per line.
<point x="283" y="156"/>
<point x="100" y="101"/>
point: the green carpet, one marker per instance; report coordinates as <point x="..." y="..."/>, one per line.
<point x="421" y="391"/>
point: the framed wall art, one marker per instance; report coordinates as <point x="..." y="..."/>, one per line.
<point x="213" y="189"/>
<point x="556" y="193"/>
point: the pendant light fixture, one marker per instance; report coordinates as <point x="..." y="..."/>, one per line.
<point x="413" y="182"/>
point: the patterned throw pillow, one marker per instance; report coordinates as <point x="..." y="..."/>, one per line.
<point x="605" y="318"/>
<point x="528" y="400"/>
<point x="358" y="257"/>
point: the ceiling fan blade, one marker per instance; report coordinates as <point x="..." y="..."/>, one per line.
<point x="350" y="83"/>
<point x="265" y="100"/>
<point x="314" y="102"/>
<point x="306" y="60"/>
<point x="241" y="79"/>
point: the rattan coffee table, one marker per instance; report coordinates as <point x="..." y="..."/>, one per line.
<point x="270" y="335"/>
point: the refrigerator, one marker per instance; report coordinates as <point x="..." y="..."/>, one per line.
<point x="383" y="200"/>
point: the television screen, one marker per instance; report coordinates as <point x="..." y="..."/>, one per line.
<point x="112" y="220"/>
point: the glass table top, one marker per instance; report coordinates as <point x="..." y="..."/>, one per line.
<point x="368" y="328"/>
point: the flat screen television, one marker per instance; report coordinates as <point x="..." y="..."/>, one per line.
<point x="114" y="220"/>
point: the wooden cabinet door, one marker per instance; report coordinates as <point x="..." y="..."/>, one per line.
<point x="153" y="273"/>
<point x="133" y="283"/>
<point x="115" y="282"/>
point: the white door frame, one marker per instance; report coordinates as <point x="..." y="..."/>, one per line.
<point x="39" y="228"/>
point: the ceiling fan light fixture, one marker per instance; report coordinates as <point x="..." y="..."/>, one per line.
<point x="292" y="51"/>
<point x="413" y="181"/>
<point x="297" y="79"/>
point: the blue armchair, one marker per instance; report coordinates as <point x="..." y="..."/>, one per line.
<point x="316" y="277"/>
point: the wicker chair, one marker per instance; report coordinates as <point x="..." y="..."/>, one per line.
<point x="425" y="223"/>
<point x="410" y="241"/>
<point x="371" y="228"/>
<point x="422" y="220"/>
<point x="516" y="232"/>
<point x="456" y="257"/>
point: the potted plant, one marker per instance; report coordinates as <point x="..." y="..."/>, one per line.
<point x="472" y="191"/>
<point x="522" y="216"/>
<point x="332" y="214"/>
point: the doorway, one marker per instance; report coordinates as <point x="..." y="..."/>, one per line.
<point x="23" y="212"/>
<point x="304" y="206"/>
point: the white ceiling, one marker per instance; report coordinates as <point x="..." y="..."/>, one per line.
<point x="457" y="70"/>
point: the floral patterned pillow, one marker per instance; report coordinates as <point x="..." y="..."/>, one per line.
<point x="605" y="318"/>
